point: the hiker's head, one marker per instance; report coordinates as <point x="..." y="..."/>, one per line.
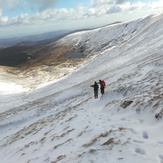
<point x="100" y="80"/>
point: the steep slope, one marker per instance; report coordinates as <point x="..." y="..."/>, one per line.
<point x="97" y="40"/>
<point x="63" y="123"/>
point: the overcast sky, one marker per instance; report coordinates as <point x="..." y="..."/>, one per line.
<point x="23" y="17"/>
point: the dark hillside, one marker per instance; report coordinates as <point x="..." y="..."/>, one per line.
<point x="14" y="56"/>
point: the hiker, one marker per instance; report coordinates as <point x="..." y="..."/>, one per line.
<point x="102" y="86"/>
<point x="95" y="86"/>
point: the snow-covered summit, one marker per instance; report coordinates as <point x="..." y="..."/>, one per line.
<point x="63" y="123"/>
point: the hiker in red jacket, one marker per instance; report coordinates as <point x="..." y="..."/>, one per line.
<point x="102" y="86"/>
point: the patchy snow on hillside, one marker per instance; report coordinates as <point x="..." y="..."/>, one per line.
<point x="63" y="123"/>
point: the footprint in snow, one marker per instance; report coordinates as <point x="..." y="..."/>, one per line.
<point x="145" y="135"/>
<point x="133" y="131"/>
<point x="138" y="141"/>
<point x="123" y="119"/>
<point x="141" y="121"/>
<point x="161" y="158"/>
<point x="140" y="151"/>
<point x="112" y="126"/>
<point x="160" y="142"/>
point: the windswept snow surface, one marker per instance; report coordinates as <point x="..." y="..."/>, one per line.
<point x="63" y="123"/>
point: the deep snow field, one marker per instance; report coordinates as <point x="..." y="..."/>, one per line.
<point x="61" y="122"/>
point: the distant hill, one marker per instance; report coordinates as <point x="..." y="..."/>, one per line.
<point x="32" y="39"/>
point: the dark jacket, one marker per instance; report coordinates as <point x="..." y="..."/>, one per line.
<point x="95" y="86"/>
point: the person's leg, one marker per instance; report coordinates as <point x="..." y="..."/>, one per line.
<point x="102" y="90"/>
<point x="96" y="94"/>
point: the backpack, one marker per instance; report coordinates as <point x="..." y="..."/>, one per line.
<point x="103" y="84"/>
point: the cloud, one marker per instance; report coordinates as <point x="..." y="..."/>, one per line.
<point x="114" y="9"/>
<point x="3" y="19"/>
<point x="54" y="15"/>
<point x="46" y="13"/>
<point x="11" y="4"/>
<point x="121" y="1"/>
<point x="105" y="7"/>
<point x="98" y="3"/>
<point x="38" y="5"/>
<point x="91" y="12"/>
<point x="41" y="4"/>
<point x="156" y="5"/>
<point x="0" y="12"/>
<point x="48" y="16"/>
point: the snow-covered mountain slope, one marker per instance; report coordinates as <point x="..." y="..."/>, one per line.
<point x="95" y="41"/>
<point x="63" y="123"/>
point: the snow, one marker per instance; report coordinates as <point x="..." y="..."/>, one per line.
<point x="11" y="88"/>
<point x="62" y="122"/>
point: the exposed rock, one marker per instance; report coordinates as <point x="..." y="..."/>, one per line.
<point x="125" y="104"/>
<point x="110" y="141"/>
<point x="159" y="115"/>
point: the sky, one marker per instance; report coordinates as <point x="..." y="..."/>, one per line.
<point x="24" y="17"/>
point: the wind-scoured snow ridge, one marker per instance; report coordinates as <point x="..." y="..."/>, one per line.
<point x="95" y="41"/>
<point x="63" y="123"/>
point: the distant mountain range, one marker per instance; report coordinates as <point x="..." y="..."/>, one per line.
<point x="32" y="39"/>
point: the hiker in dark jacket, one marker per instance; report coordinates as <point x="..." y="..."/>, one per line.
<point x="95" y="86"/>
<point x="102" y="86"/>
